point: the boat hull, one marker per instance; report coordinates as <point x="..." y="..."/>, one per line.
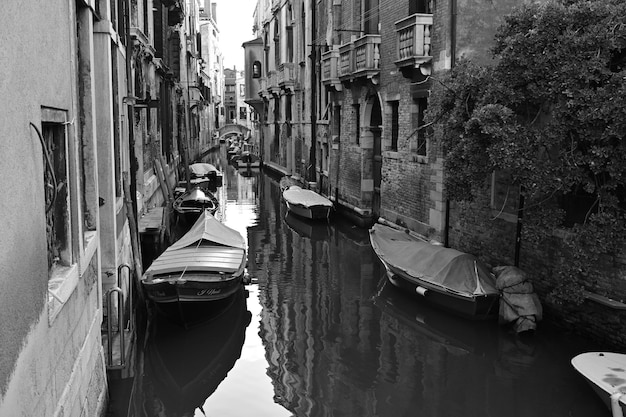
<point x="606" y="374"/>
<point x="309" y="212"/>
<point x="185" y="290"/>
<point x="480" y="307"/>
<point x="244" y="165"/>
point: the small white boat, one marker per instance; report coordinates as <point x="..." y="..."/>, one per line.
<point x="606" y="373"/>
<point x="307" y="203"/>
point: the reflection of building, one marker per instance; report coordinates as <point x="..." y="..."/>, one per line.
<point x="315" y="310"/>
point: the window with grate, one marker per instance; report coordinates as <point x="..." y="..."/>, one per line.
<point x="56" y="194"/>
<point x="395" y="125"/>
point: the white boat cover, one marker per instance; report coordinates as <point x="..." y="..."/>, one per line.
<point x="209" y="246"/>
<point x="197" y="195"/>
<point x="207" y="228"/>
<point x="307" y="198"/>
<point x="444" y="267"/>
<point x="202" y="169"/>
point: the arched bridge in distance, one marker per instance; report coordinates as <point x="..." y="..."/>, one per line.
<point x="233" y="129"/>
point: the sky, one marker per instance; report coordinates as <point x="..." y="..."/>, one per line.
<point x="234" y="20"/>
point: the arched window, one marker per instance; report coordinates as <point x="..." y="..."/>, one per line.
<point x="256" y="69"/>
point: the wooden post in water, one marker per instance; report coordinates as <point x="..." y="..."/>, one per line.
<point x="134" y="236"/>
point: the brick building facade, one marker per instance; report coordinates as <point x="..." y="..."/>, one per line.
<point x="368" y="69"/>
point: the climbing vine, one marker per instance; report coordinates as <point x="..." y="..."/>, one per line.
<point x="552" y="113"/>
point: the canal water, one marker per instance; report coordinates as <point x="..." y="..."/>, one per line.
<point x="319" y="332"/>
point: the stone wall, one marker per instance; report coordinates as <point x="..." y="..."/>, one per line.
<point x="481" y="229"/>
<point x="61" y="368"/>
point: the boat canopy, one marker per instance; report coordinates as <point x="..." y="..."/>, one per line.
<point x="445" y="267"/>
<point x="210" y="230"/>
<point x="202" y="169"/>
<point x="307" y="198"/>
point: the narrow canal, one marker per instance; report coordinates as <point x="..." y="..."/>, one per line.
<point x="319" y="332"/>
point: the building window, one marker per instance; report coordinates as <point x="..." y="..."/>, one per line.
<point x="288" y="107"/>
<point x="418" y="140"/>
<point x="325" y="154"/>
<point x="419" y="6"/>
<point x="422" y="104"/>
<point x="56" y="194"/>
<point x="356" y="110"/>
<point x="277" y="59"/>
<point x="370" y="19"/>
<point x="256" y="69"/>
<point x="243" y="113"/>
<point x="395" y="125"/>
<point x="337" y="124"/>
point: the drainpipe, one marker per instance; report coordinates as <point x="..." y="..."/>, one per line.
<point x="312" y="161"/>
<point x="446" y="232"/>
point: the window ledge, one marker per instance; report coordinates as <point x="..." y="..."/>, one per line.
<point x="420" y="159"/>
<point x="63" y="281"/>
<point x="91" y="244"/>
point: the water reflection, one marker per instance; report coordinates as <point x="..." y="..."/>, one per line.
<point x="184" y="366"/>
<point x="329" y="337"/>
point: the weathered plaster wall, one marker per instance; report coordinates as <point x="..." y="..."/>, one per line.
<point x="47" y="365"/>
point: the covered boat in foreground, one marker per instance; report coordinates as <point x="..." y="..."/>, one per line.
<point x="443" y="277"/>
<point x="307" y="203"/>
<point x="606" y="373"/>
<point x="206" y="264"/>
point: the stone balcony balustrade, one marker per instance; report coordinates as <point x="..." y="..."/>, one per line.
<point x="360" y="58"/>
<point x="330" y="69"/>
<point x="413" y="42"/>
<point x="287" y="76"/>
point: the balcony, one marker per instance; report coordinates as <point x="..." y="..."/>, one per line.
<point x="287" y="76"/>
<point x="330" y="69"/>
<point x="413" y="42"/>
<point x="360" y="58"/>
<point x="268" y="86"/>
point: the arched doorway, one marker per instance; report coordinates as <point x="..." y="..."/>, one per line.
<point x="375" y="117"/>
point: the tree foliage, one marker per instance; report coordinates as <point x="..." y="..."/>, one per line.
<point x="551" y="111"/>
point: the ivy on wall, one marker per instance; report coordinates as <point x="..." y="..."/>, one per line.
<point x="551" y="112"/>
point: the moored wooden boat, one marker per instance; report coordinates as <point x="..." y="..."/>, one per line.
<point x="207" y="172"/>
<point x="190" y="204"/>
<point x="606" y="373"/>
<point x="307" y="203"/>
<point x="206" y="264"/>
<point x="248" y="160"/>
<point x="443" y="277"/>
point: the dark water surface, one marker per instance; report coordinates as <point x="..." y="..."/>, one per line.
<point x="320" y="332"/>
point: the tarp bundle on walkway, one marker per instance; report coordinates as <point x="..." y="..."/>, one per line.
<point x="518" y="304"/>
